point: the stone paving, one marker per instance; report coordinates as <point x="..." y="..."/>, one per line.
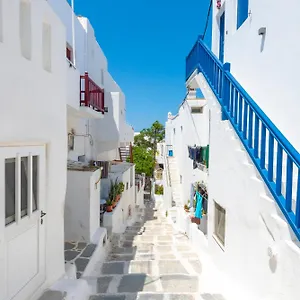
<point x="150" y="261"/>
<point x="80" y="254"/>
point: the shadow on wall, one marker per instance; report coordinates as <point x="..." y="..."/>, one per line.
<point x="105" y="131"/>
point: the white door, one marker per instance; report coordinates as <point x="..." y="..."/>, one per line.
<point x="22" y="221"/>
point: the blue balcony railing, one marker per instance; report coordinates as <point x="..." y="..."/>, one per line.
<point x="277" y="161"/>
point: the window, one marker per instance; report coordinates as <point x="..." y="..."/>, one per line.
<point x="71" y="141"/>
<point x="11" y="182"/>
<point x="10" y="190"/>
<point x="47" y="47"/>
<point x="174" y="130"/>
<point x="219" y="232"/>
<point x="69" y="53"/>
<point x="181" y="128"/>
<point x="242" y="12"/>
<point x="25" y="28"/>
<point x="196" y="110"/>
<point x="24" y="186"/>
<point x="35" y="174"/>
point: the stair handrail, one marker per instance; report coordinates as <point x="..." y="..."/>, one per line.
<point x="246" y="116"/>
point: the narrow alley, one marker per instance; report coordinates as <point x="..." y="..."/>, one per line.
<point x="149" y="261"/>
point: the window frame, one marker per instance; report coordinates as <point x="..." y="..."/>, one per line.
<point x="242" y="12"/>
<point x="196" y="109"/>
<point x="217" y="224"/>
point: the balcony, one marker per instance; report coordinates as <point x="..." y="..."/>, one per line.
<point x="91" y="98"/>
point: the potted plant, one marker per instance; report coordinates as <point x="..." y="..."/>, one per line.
<point x="120" y="190"/>
<point x="186" y="208"/>
<point x="109" y="207"/>
<point x="112" y="194"/>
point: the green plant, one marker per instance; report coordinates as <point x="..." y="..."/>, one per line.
<point x="109" y="202"/>
<point x="166" y="213"/>
<point x="121" y="187"/>
<point x="113" y="191"/>
<point x="159" y="189"/>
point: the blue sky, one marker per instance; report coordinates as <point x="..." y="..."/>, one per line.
<point x="146" y="43"/>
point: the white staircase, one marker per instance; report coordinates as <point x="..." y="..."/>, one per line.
<point x="175" y="182"/>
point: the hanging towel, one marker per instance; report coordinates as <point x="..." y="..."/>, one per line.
<point x="198" y="212"/>
<point x="198" y="154"/>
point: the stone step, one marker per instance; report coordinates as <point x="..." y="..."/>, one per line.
<point x="148" y="296"/>
<point x="152" y="267"/>
<point x="140" y="282"/>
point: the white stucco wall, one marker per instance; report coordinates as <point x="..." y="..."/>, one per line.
<point x="190" y="129"/>
<point x="82" y="209"/>
<point x="271" y="64"/>
<point x="118" y="219"/>
<point x="34" y="111"/>
<point x="260" y="254"/>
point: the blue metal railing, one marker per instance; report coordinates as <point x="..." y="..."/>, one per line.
<point x="273" y="155"/>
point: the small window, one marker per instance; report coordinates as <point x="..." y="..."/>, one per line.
<point x="25" y="28"/>
<point x="196" y="110"/>
<point x="219" y="232"/>
<point x="69" y="53"/>
<point x="174" y="130"/>
<point x="242" y="12"/>
<point x="10" y="187"/>
<point x="10" y="190"/>
<point x="35" y="174"/>
<point x="24" y="186"/>
<point x="181" y="128"/>
<point x="71" y="141"/>
<point x="47" y="47"/>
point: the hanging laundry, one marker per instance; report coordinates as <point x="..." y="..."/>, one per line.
<point x="198" y="211"/>
<point x="198" y="154"/>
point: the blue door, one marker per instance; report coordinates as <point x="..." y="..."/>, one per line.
<point x="222" y="37"/>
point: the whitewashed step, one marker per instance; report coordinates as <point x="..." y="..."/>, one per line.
<point x="151" y="296"/>
<point x="135" y="283"/>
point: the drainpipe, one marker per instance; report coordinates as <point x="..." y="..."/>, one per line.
<point x="73" y="33"/>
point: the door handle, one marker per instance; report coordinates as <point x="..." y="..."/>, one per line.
<point x="43" y="214"/>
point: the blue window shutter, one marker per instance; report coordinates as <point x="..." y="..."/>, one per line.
<point x="242" y="12"/>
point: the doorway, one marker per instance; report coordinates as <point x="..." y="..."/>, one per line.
<point x="222" y="37"/>
<point x="22" y="222"/>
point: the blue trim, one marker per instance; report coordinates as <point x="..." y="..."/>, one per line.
<point x="252" y="126"/>
<point x="242" y="12"/>
<point x="222" y="37"/>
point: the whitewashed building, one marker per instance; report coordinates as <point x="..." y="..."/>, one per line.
<point x="253" y="203"/>
<point x="96" y="104"/>
<point x="33" y="150"/>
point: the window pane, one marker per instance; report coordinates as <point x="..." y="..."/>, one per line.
<point x="10" y="185"/>
<point x="34" y="183"/>
<point x="24" y="186"/>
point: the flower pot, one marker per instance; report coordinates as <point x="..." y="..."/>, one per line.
<point x="195" y="220"/>
<point x="118" y="197"/>
<point x="109" y="208"/>
<point x="186" y="210"/>
<point x="114" y="204"/>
